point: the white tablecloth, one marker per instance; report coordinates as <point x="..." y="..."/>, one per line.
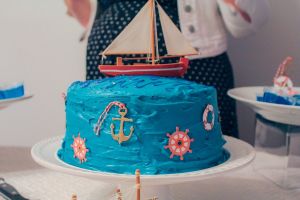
<point x="17" y="167"/>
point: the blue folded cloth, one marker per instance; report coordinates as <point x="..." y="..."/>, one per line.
<point x="8" y="91"/>
<point x="271" y="97"/>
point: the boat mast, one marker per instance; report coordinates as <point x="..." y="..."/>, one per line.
<point x="152" y="29"/>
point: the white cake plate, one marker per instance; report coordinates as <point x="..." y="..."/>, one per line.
<point x="275" y="112"/>
<point x="241" y="154"/>
<point x="7" y="102"/>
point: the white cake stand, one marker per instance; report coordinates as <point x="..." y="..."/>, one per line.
<point x="7" y="102"/>
<point x="275" y="112"/>
<point x="45" y="154"/>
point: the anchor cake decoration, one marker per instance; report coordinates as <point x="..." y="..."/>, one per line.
<point x="79" y="148"/>
<point x="120" y="137"/>
<point x="179" y="143"/>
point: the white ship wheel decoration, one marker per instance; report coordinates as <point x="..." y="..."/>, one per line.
<point x="208" y="125"/>
<point x="120" y="137"/>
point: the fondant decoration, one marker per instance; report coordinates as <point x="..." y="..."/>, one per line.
<point x="79" y="148"/>
<point x="283" y="91"/>
<point x="155" y="104"/>
<point x="121" y="137"/>
<point x="283" y="85"/>
<point x="179" y="143"/>
<point x="208" y="125"/>
<point x="134" y="41"/>
<point x="104" y="114"/>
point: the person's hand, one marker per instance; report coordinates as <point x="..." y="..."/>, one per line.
<point x="80" y="10"/>
<point x="243" y="13"/>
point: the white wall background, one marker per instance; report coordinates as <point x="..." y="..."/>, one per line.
<point x="255" y="59"/>
<point x="39" y="44"/>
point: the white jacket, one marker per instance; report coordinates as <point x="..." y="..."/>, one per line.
<point x="203" y="22"/>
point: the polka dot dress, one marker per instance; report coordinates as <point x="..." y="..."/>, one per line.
<point x="113" y="16"/>
<point x="217" y="72"/>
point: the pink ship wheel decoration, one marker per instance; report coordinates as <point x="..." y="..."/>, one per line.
<point x="79" y="148"/>
<point x="179" y="143"/>
<point x="208" y="125"/>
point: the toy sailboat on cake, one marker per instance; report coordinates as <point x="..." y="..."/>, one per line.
<point x="140" y="38"/>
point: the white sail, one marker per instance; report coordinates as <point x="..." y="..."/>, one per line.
<point x="175" y="42"/>
<point x="135" y="38"/>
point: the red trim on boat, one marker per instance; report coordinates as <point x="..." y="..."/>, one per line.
<point x="172" y="69"/>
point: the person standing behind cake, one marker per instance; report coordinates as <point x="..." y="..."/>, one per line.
<point x="202" y="22"/>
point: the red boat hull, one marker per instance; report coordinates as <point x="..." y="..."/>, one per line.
<point x="170" y="69"/>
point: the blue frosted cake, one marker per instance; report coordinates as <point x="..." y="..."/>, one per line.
<point x="155" y="124"/>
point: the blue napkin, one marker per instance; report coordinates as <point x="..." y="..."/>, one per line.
<point x="271" y="97"/>
<point x="11" y="91"/>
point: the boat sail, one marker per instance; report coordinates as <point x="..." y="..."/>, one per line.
<point x="175" y="42"/>
<point x="135" y="38"/>
<point x="140" y="37"/>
